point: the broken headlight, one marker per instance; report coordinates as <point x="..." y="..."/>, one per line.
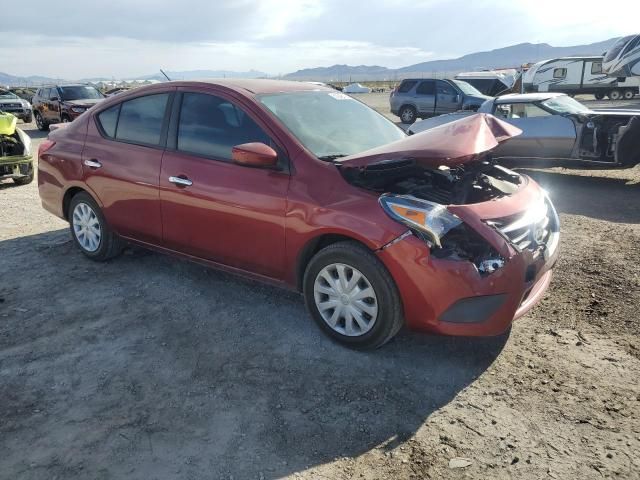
<point x="431" y="221"/>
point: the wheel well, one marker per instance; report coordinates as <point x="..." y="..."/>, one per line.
<point x="405" y="106"/>
<point x="66" y="201"/>
<point x="313" y="247"/>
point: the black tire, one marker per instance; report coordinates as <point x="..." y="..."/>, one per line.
<point x="29" y="119"/>
<point x="65" y="119"/>
<point x="599" y="95"/>
<point x="110" y="245"/>
<point x="615" y="94"/>
<point x="389" y="319"/>
<point x="24" y="180"/>
<point x="408" y="114"/>
<point x="40" y="123"/>
<point x="628" y="94"/>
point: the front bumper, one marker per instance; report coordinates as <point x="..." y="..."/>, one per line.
<point x="21" y="113"/>
<point x="15" y="167"/>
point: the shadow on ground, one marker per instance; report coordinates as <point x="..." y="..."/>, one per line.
<point x="149" y="366"/>
<point x="604" y="198"/>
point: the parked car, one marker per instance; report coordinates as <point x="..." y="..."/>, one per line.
<point x="310" y="189"/>
<point x="15" y="151"/>
<point x="356" y="88"/>
<point x="12" y="103"/>
<point x="424" y="98"/>
<point x="557" y="128"/>
<point x="63" y="103"/>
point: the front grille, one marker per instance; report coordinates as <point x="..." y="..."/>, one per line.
<point x="10" y="107"/>
<point x="531" y="229"/>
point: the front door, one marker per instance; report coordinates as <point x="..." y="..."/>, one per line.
<point x="215" y="209"/>
<point x="121" y="164"/>
<point x="447" y="98"/>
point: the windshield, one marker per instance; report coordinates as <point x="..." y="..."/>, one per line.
<point x="80" y="93"/>
<point x="8" y="94"/>
<point x="468" y="89"/>
<point x="331" y="124"/>
<point x="565" y="104"/>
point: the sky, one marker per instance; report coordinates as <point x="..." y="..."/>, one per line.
<point x="127" y="38"/>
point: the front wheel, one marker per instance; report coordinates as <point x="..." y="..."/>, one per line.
<point x="28" y="118"/>
<point x="90" y="231"/>
<point x="352" y="297"/>
<point x="408" y="114"/>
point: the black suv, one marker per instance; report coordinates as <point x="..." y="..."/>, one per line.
<point x="63" y="103"/>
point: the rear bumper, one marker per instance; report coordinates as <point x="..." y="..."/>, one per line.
<point x="452" y="298"/>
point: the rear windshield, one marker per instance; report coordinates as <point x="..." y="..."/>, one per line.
<point x="80" y="93"/>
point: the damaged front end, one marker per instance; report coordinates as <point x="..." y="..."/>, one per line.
<point x="426" y="184"/>
<point x="15" y="151"/>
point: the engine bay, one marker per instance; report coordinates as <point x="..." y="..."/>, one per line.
<point x="11" y="145"/>
<point x="474" y="182"/>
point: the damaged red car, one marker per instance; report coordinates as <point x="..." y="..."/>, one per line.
<point x="308" y="188"/>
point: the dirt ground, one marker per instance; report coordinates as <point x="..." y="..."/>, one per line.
<point x="150" y="367"/>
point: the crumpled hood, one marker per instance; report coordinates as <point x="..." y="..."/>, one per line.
<point x="455" y="143"/>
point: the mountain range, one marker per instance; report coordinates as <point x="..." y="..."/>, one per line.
<point x="512" y="56"/>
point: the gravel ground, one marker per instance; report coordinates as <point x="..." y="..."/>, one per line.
<point x="152" y="367"/>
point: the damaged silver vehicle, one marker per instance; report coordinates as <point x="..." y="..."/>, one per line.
<point x="556" y="129"/>
<point x="16" y="161"/>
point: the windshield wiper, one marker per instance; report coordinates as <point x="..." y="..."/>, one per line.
<point x="332" y="157"/>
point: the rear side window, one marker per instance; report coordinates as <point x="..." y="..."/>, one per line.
<point x="596" y="68"/>
<point x="141" y="119"/>
<point x="426" y="88"/>
<point x="560" y="73"/>
<point x="210" y="126"/>
<point x="407" y="85"/>
<point x="108" y="120"/>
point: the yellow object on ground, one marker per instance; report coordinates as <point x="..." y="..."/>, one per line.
<point x="8" y="123"/>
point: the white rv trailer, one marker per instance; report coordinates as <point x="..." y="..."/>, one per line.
<point x="577" y="75"/>
<point x="623" y="59"/>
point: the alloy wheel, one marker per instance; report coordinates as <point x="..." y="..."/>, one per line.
<point x="345" y="299"/>
<point x="407" y="115"/>
<point x="86" y="227"/>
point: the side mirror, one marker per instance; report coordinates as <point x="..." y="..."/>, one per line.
<point x="456" y="98"/>
<point x="254" y="155"/>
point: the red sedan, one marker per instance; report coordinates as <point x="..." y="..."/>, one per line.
<point x="308" y="188"/>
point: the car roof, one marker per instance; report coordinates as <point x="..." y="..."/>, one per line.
<point x="255" y="86"/>
<point x="527" y="97"/>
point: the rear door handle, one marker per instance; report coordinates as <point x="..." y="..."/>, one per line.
<point x="182" y="181"/>
<point x="93" y="163"/>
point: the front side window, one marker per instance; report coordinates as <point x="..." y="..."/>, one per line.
<point x="445" y="89"/>
<point x="211" y="126"/>
<point x="141" y="119"/>
<point x="520" y="110"/>
<point x="560" y="73"/>
<point x="331" y="124"/>
<point x="426" y="88"/>
<point x="596" y="68"/>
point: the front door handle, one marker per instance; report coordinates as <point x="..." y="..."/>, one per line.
<point x="93" y="163"/>
<point x="181" y="181"/>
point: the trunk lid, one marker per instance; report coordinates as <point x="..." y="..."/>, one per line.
<point x="452" y="144"/>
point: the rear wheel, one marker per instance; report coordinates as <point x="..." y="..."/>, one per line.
<point x="408" y="114"/>
<point x="352" y="296"/>
<point x="90" y="231"/>
<point x="615" y="94"/>
<point x="40" y="123"/>
<point x="629" y="94"/>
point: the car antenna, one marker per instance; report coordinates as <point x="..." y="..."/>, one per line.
<point x="165" y="75"/>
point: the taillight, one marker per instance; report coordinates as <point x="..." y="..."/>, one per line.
<point x="44" y="146"/>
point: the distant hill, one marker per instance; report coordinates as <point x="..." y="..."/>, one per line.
<point x="33" y="80"/>
<point x="201" y="74"/>
<point x="512" y="56"/>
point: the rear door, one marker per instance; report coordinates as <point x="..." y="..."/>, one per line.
<point x="121" y="163"/>
<point x="217" y="210"/>
<point x="447" y="98"/>
<point x="426" y="97"/>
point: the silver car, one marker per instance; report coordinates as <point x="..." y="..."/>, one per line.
<point x="557" y="128"/>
